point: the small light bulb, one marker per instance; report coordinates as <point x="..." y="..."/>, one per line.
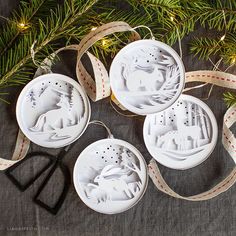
<point x="104" y="42"/>
<point x="172" y="18"/>
<point x="22" y="26"/>
<point x="94" y="28"/>
<point x="222" y="38"/>
<point x="233" y="60"/>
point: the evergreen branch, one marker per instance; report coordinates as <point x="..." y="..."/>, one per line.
<point x="217" y="12"/>
<point x="229" y="99"/>
<point x="116" y="41"/>
<point x="169" y="31"/>
<point x="162" y="4"/>
<point x="157" y="10"/>
<point x="205" y="47"/>
<point x="61" y="21"/>
<point x="178" y="18"/>
<point x="25" y="14"/>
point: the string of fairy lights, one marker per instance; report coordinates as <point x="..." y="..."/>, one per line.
<point x="22" y="26"/>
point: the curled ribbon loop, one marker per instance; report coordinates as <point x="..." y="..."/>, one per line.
<point x="99" y="87"/>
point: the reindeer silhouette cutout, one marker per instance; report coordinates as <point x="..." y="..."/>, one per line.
<point x="48" y="120"/>
<point x="179" y="139"/>
<point x="193" y="131"/>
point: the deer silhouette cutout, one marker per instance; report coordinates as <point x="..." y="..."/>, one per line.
<point x="179" y="139"/>
<point x="192" y="131"/>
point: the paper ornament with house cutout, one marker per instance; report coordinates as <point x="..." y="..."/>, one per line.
<point x="147" y="76"/>
<point x="110" y="176"/>
<point x="183" y="135"/>
<point x="53" y="110"/>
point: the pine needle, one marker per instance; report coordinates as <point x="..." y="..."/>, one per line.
<point x="229" y="99"/>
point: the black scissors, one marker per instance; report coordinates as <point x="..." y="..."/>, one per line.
<point x="54" y="163"/>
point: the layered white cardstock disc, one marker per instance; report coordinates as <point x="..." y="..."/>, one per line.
<point x="183" y="135"/>
<point x="110" y="176"/>
<point x="147" y="76"/>
<point x="53" y="110"/>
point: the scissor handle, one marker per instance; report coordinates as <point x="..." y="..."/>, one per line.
<point x="23" y="186"/>
<point x="67" y="181"/>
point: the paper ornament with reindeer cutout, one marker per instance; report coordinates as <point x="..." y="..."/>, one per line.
<point x="147" y="76"/>
<point x="53" y="110"/>
<point x="183" y="135"/>
<point x="110" y="176"/>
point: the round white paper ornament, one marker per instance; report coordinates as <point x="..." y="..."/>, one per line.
<point x="110" y="176"/>
<point x="53" y="110"/>
<point x="147" y="76"/>
<point x="183" y="135"/>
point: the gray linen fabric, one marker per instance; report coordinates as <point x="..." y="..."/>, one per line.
<point x="156" y="214"/>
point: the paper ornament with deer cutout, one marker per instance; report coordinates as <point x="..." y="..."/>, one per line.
<point x="147" y="76"/>
<point x="110" y="176"/>
<point x="53" y="110"/>
<point x="183" y="135"/>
